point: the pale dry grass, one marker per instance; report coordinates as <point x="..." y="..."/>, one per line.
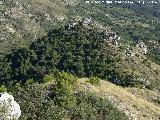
<point x="148" y="95"/>
<point x="135" y="107"/>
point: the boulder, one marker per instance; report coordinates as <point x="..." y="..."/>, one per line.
<point x="86" y="21"/>
<point x="143" y="48"/>
<point x="9" y="109"/>
<point x="72" y="25"/>
<point x="130" y="53"/>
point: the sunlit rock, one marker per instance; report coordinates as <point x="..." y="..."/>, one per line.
<point x="143" y="48"/>
<point x="9" y="109"/>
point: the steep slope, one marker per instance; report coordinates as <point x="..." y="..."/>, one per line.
<point x="114" y="42"/>
<point x="134" y="61"/>
<point x="29" y="19"/>
<point x="133" y="22"/>
<point x="137" y="108"/>
<point x="59" y="99"/>
<point x="84" y="50"/>
<point x="23" y="21"/>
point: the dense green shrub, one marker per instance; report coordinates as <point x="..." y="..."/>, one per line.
<point x="62" y="90"/>
<point x="125" y="78"/>
<point x="35" y="103"/>
<point x="47" y="78"/>
<point x="30" y="99"/>
<point x="3" y="89"/>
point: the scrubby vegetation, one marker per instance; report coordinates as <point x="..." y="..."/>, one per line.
<point x="134" y="22"/>
<point x="46" y="46"/>
<point x="82" y="51"/>
<point x="59" y="101"/>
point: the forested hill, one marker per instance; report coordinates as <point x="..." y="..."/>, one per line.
<point x="79" y="50"/>
<point x="83" y="50"/>
<point x="78" y="60"/>
<point x="26" y="20"/>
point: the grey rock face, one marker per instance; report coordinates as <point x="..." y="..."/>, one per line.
<point x="143" y="48"/>
<point x="86" y="21"/>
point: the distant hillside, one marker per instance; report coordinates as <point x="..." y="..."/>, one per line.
<point x="23" y="21"/>
<point x="26" y="20"/>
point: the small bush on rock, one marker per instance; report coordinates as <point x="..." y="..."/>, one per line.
<point x="94" y="80"/>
